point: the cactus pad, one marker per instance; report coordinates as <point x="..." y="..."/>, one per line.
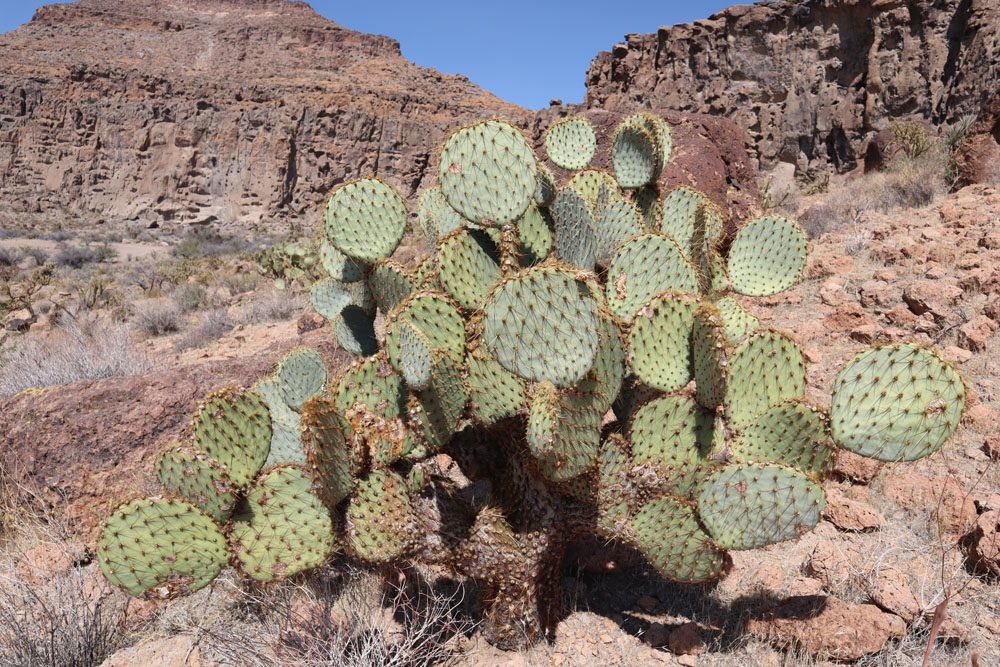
<point x="679" y="215"/>
<point x="767" y="256"/>
<point x="736" y="321"/>
<point x="636" y="155"/>
<point x="355" y="331"/>
<point x="615" y="223"/>
<point x="659" y="341"/>
<point x="286" y="529"/>
<point x="189" y="474"/>
<point x="329" y="298"/>
<point x="435" y="215"/>
<point x="589" y="181"/>
<point x="339" y="266"/>
<point x="545" y="186"/>
<point x="672" y="435"/>
<point x="233" y="426"/>
<point x="487" y="172"/>
<point x="413" y="358"/>
<point x="495" y="393"/>
<point x="541" y="325"/>
<point x="365" y="220"/>
<point x="571" y="142"/>
<point x="644" y="266"/>
<point x="750" y="505"/>
<point x="438" y="409"/>
<point x="576" y="238"/>
<point x="896" y="403"/>
<point x="436" y="317"/>
<point x="381" y="522"/>
<point x="374" y="384"/>
<point x="666" y="532"/>
<point x="710" y="356"/>
<point x="793" y="433"/>
<point x="563" y="433"/>
<point x="162" y="548"/>
<point x="335" y="460"/>
<point x="390" y="282"/>
<point x="469" y="266"/>
<point x="534" y="235"/>
<point x="300" y="375"/>
<point x="766" y="369"/>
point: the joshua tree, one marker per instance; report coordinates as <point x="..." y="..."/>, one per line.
<point x="582" y="358"/>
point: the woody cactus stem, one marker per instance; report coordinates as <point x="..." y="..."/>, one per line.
<point x="583" y="358"/>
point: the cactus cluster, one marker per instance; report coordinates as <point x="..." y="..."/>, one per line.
<point x="290" y="262"/>
<point x="583" y="355"/>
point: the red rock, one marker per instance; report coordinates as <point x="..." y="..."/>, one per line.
<point x="983" y="544"/>
<point x="890" y="589"/>
<point x="827" y="627"/>
<point x="176" y="651"/>
<point x="956" y="354"/>
<point x="832" y="563"/>
<point x="930" y="296"/>
<point x="855" y="467"/>
<point x="992" y="446"/>
<point x="992" y="310"/>
<point x="975" y="334"/>
<point x="686" y="639"/>
<point x="977" y="159"/>
<point x="952" y="507"/>
<point x="848" y="317"/>
<point x="850" y="515"/>
<point x="981" y="416"/>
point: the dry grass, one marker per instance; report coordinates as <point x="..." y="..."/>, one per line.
<point x="270" y="306"/>
<point x="214" y="324"/>
<point x="76" y="350"/>
<point x="55" y="608"/>
<point x="158" y="317"/>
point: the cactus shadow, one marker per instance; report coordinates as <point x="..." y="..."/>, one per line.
<point x="615" y="582"/>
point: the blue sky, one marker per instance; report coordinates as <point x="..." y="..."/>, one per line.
<point x="525" y="52"/>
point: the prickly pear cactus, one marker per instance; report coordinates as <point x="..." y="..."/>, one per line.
<point x="584" y="346"/>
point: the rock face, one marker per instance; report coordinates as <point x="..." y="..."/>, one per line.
<point x="812" y="81"/>
<point x="202" y="110"/>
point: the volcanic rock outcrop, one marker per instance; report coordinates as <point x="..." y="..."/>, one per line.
<point x="812" y="81"/>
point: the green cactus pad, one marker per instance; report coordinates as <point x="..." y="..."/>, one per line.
<point x="286" y="528"/>
<point x="163" y="548"/>
<point x="736" y="321"/>
<point x="608" y="371"/>
<point x="647" y="200"/>
<point x="436" y="317"/>
<point x="767" y="256"/>
<point x="589" y="181"/>
<point x="374" y="383"/>
<point x="659" y="341"/>
<point x="194" y="476"/>
<point x="576" y="238"/>
<point x="413" y="357"/>
<point x="365" y="220"/>
<point x="233" y="426"/>
<point x="390" y="282"/>
<point x="435" y="216"/>
<point x="300" y="375"/>
<point x="709" y="224"/>
<point x="494" y="392"/>
<point x="711" y="357"/>
<point x="646" y="265"/>
<point x="535" y="236"/>
<point x="636" y="155"/>
<point x="563" y="433"/>
<point x="748" y="506"/>
<point x="571" y="142"/>
<point x="712" y="273"/>
<point x="667" y="533"/>
<point x="469" y="266"/>
<point x="766" y="369"/>
<point x="615" y="223"/>
<point x="438" y="409"/>
<point x="286" y="447"/>
<point x="679" y="213"/>
<point x="613" y="487"/>
<point x="329" y="298"/>
<point x="672" y="435"/>
<point x="339" y="266"/>
<point x="540" y="325"/>
<point x="545" y="186"/>
<point x="896" y="403"/>
<point x="382" y="525"/>
<point x="355" y="331"/>
<point x="793" y="433"/>
<point x="335" y="460"/>
<point x="487" y="173"/>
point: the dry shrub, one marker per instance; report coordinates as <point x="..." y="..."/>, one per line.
<point x="270" y="306"/>
<point x="76" y="350"/>
<point x="214" y="324"/>
<point x="56" y="610"/>
<point x="189" y="297"/>
<point x="158" y="317"/>
<point x="74" y="257"/>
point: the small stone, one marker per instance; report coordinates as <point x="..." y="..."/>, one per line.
<point x="686" y="639"/>
<point x="855" y="467"/>
<point x="956" y="354"/>
<point x="647" y="603"/>
<point x="850" y="515"/>
<point x="687" y="660"/>
<point x="890" y="590"/>
<point x="606" y="639"/>
<point x="657" y="635"/>
<point x="975" y="334"/>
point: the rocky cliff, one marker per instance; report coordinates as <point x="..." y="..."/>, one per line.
<point x="202" y="110"/>
<point x="812" y="80"/>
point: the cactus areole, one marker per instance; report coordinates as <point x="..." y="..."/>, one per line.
<point x="586" y="355"/>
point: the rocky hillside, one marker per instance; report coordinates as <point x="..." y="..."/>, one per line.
<point x="812" y="80"/>
<point x="201" y="110"/>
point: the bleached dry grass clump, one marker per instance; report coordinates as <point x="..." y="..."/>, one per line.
<point x="76" y="350"/>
